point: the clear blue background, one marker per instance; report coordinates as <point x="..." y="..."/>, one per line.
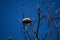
<point x="10" y="13"/>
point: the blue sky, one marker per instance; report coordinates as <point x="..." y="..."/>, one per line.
<point x="10" y="13"/>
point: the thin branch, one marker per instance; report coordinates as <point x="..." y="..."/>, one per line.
<point x="38" y="23"/>
<point x="28" y="34"/>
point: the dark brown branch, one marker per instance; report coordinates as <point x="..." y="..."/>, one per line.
<point x="38" y="23"/>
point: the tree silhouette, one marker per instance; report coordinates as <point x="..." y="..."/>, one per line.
<point x="49" y="16"/>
